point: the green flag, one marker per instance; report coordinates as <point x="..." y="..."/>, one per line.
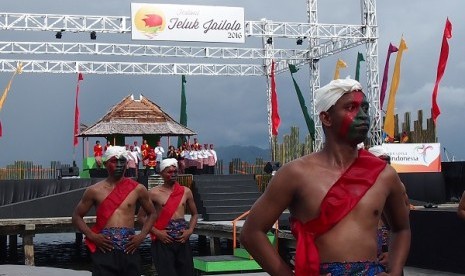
<point x="357" y="70"/>
<point x="183" y="116"/>
<point x="308" y="120"/>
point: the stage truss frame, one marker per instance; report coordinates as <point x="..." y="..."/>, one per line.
<point x="322" y="40"/>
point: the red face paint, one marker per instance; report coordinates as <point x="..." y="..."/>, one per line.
<point x="356" y="121"/>
<point x="116" y="167"/>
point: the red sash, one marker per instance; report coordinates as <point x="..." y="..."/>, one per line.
<point x="168" y="210"/>
<point x="109" y="205"/>
<point x="341" y="198"/>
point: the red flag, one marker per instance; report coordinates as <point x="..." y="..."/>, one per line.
<point x="441" y="67"/>
<point x="76" y="112"/>
<point x="275" y="120"/>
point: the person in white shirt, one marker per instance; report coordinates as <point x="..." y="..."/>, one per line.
<point x="212" y="159"/>
<point x="138" y="151"/>
<point x="159" y="151"/>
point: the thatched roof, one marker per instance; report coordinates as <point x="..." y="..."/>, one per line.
<point x="136" y="118"/>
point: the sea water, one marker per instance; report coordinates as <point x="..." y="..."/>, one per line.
<point x="60" y="250"/>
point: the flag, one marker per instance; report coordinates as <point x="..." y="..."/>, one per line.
<point x="308" y="120"/>
<point x="357" y="70"/>
<point x="19" y="70"/>
<point x="339" y="64"/>
<point x="183" y="116"/>
<point x="389" y="120"/>
<point x="76" y="111"/>
<point x="441" y="67"/>
<point x="382" y="95"/>
<point x="275" y="120"/>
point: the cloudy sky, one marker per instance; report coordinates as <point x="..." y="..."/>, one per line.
<point x="38" y="114"/>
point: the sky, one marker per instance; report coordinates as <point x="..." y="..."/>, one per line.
<point x="38" y="114"/>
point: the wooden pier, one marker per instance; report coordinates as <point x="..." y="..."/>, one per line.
<point x="28" y="228"/>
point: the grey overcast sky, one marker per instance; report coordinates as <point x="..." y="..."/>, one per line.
<point x="38" y="114"/>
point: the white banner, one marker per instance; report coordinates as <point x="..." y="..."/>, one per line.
<point x="187" y="23"/>
<point x="411" y="157"/>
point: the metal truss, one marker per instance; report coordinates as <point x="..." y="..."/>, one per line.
<point x="122" y="24"/>
<point x="323" y="40"/>
<point x="131" y="68"/>
<point x="8" y="47"/>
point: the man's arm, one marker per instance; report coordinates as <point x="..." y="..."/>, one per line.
<point x="194" y="216"/>
<point x="461" y="209"/>
<point x="261" y="218"/>
<point x="398" y="218"/>
<point x="81" y="209"/>
<point x="149" y="218"/>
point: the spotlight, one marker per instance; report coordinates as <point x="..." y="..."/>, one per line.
<point x="299" y="41"/>
<point x="269" y="40"/>
<point x="93" y="35"/>
<point x="58" y="35"/>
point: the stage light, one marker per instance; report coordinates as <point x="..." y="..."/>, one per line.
<point x="269" y="40"/>
<point x="299" y="41"/>
<point x="58" y="35"/>
<point x="93" y="35"/>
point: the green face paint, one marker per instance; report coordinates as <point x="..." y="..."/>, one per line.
<point x="356" y="122"/>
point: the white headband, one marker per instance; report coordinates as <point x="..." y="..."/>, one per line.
<point x="168" y="163"/>
<point x="115" y="151"/>
<point x="327" y="96"/>
<point x="378" y="151"/>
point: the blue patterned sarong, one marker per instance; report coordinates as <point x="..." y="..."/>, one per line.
<point x="119" y="236"/>
<point x="175" y="227"/>
<point x="351" y="268"/>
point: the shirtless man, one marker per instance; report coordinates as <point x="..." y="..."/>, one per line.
<point x="170" y="233"/>
<point x="113" y="241"/>
<point x="335" y="197"/>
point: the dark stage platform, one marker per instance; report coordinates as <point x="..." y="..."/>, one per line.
<point x="438" y="239"/>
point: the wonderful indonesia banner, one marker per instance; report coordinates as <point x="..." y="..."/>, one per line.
<point x="187" y="23"/>
<point x="411" y="157"/>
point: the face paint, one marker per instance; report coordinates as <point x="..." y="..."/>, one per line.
<point x="356" y="122"/>
<point x="116" y="167"/>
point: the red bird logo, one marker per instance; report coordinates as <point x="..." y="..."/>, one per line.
<point x="153" y="20"/>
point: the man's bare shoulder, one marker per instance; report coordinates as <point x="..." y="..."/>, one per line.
<point x="297" y="171"/>
<point x="390" y="178"/>
<point x="304" y="163"/>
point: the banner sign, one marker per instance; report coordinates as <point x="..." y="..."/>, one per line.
<point x="187" y="23"/>
<point x="410" y="157"/>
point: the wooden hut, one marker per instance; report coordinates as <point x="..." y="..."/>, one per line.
<point x="131" y="117"/>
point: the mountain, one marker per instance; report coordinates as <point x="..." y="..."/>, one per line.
<point x="245" y="153"/>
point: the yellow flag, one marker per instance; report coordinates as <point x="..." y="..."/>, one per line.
<point x="389" y="120"/>
<point x="340" y="64"/>
<point x="19" y="70"/>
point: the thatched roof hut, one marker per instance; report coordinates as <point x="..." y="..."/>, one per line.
<point x="132" y="117"/>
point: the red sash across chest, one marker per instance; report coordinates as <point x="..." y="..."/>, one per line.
<point x="168" y="210"/>
<point x="109" y="205"/>
<point x="341" y="198"/>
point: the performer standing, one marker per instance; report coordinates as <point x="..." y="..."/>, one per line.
<point x="170" y="234"/>
<point x="113" y="241"/>
<point x="98" y="152"/>
<point x="335" y="196"/>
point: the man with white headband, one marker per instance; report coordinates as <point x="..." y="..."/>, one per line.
<point x="171" y="252"/>
<point x="335" y="198"/>
<point x="112" y="241"/>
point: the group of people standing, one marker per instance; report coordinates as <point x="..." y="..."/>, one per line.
<point x="336" y="198"/>
<point x="192" y="158"/>
<point x="113" y="241"/>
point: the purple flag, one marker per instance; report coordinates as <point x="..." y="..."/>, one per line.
<point x="392" y="49"/>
